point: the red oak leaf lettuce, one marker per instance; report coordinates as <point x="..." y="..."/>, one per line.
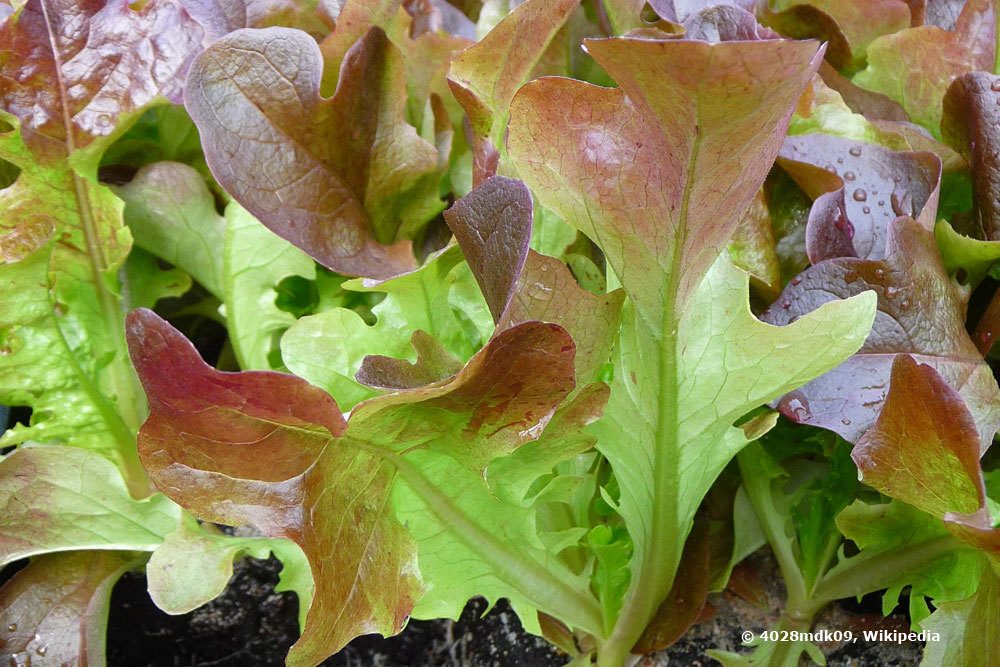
<point x="921" y="312"/>
<point x="327" y="483"/>
<point x="859" y="189"/>
<point x="346" y="179"/>
<point x="658" y="173"/>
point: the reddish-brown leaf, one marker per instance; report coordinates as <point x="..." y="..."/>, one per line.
<point x="55" y="610"/>
<point x="345" y="179"/>
<point x="920" y="313"/>
<point x="271" y="451"/>
<point x="971" y="124"/>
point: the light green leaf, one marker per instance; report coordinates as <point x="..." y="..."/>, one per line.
<point x="967" y="629"/>
<point x="56" y="498"/>
<point x="255" y="261"/>
<point x="145" y="282"/>
<point x="963" y="252"/>
<point x="62" y="346"/>
<point x="171" y="213"/>
<point x="440" y="298"/>
<point x="195" y="562"/>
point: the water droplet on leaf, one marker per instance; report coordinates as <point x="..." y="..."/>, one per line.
<point x="860" y="195"/>
<point x="855" y="151"/>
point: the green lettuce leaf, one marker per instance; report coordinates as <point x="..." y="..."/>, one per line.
<point x="638" y="169"/>
<point x="62" y="499"/>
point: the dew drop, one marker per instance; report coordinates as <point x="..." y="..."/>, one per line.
<point x="545" y="266"/>
<point x="103" y="121"/>
<point x="540" y="292"/>
<point x="986" y="336"/>
<point x="881" y="202"/>
<point x="855" y="151"/>
<point x="840" y="160"/>
<point x="845" y="421"/>
<point x="849" y="176"/>
<point x="891" y="292"/>
<point x="796" y="280"/>
<point x="42" y="650"/>
<point x="995" y="86"/>
<point x="860" y="195"/>
<point x="832" y="169"/>
<point x="879" y="274"/>
<point x="865" y="209"/>
<point x="786" y="304"/>
<point x="12" y="627"/>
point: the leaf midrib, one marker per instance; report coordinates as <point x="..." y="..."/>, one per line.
<point x="125" y="387"/>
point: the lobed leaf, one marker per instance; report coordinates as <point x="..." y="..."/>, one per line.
<point x="920" y="312"/>
<point x="345" y="179"/>
<point x="171" y="213"/>
<point x="649" y="172"/>
<point x="328" y="483"/>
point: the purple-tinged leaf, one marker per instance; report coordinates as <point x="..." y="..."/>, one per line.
<point x="221" y="17"/>
<point x="920" y="313"/>
<point x="859" y="189"/>
<point x="492" y="224"/>
<point x="725" y="23"/>
<point x="73" y="70"/>
<point x="971" y="124"/>
<point x="433" y="364"/>
<point x="345" y="179"/>
<point x="55" y="610"/>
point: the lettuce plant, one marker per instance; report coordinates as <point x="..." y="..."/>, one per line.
<point x="574" y="305"/>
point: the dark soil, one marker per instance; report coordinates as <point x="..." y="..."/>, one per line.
<point x="252" y="626"/>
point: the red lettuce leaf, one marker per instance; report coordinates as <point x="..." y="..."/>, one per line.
<point x="345" y="179"/>
<point x="58" y="77"/>
<point x="326" y="483"/>
<point x="971" y="125"/>
<point x="920" y="313"/>
<point x="492" y="224"/>
<point x="859" y="189"/>
<point x="433" y="364"/>
<point x="924" y="449"/>
<point x="55" y="610"/>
